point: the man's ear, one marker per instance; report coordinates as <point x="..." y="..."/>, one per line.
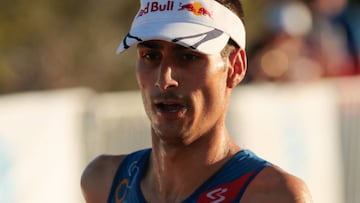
<point x="237" y="69"/>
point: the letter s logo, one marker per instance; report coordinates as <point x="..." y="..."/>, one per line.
<point x="217" y="195"/>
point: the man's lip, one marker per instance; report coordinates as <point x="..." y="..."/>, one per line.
<point x="174" y="108"/>
<point x="169" y="102"/>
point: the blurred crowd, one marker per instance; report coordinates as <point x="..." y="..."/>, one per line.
<point x="306" y="40"/>
<point x="63" y="44"/>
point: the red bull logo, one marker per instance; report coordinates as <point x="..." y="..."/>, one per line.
<point x="196" y="8"/>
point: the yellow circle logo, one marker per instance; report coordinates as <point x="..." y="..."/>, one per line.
<point x="121" y="191"/>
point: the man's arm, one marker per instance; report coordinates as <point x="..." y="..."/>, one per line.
<point x="273" y="185"/>
<point x="97" y="178"/>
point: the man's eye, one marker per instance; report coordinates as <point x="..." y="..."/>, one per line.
<point x="189" y="57"/>
<point x="151" y="56"/>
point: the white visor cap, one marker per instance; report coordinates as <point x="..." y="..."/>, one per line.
<point x="203" y="25"/>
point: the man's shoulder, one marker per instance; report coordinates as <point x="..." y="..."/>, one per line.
<point x="98" y="175"/>
<point x="102" y="165"/>
<point x="273" y="184"/>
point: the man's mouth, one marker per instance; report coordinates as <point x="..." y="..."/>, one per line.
<point x="166" y="107"/>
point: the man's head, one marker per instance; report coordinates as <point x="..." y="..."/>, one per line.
<point x="190" y="55"/>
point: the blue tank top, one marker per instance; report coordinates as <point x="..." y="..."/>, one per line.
<point x="226" y="186"/>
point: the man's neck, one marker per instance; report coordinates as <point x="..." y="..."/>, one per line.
<point x="180" y="170"/>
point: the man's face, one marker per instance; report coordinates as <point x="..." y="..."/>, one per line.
<point x="184" y="92"/>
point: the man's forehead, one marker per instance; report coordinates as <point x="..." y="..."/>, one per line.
<point x="161" y="44"/>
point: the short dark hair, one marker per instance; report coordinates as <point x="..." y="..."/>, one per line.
<point x="236" y="7"/>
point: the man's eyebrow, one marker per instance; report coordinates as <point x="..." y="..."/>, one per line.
<point x="179" y="47"/>
<point x="149" y="44"/>
<point x="155" y="45"/>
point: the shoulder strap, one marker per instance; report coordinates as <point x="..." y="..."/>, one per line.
<point x="231" y="181"/>
<point x="127" y="175"/>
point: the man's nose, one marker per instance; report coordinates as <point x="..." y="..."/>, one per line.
<point x="166" y="78"/>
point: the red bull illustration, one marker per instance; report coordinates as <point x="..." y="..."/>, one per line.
<point x="196" y="8"/>
<point x="188" y="7"/>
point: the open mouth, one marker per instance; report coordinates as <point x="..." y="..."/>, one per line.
<point x="170" y="107"/>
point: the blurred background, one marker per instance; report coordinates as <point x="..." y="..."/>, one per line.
<point x="66" y="97"/>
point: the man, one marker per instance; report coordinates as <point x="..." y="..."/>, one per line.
<point x="190" y="55"/>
